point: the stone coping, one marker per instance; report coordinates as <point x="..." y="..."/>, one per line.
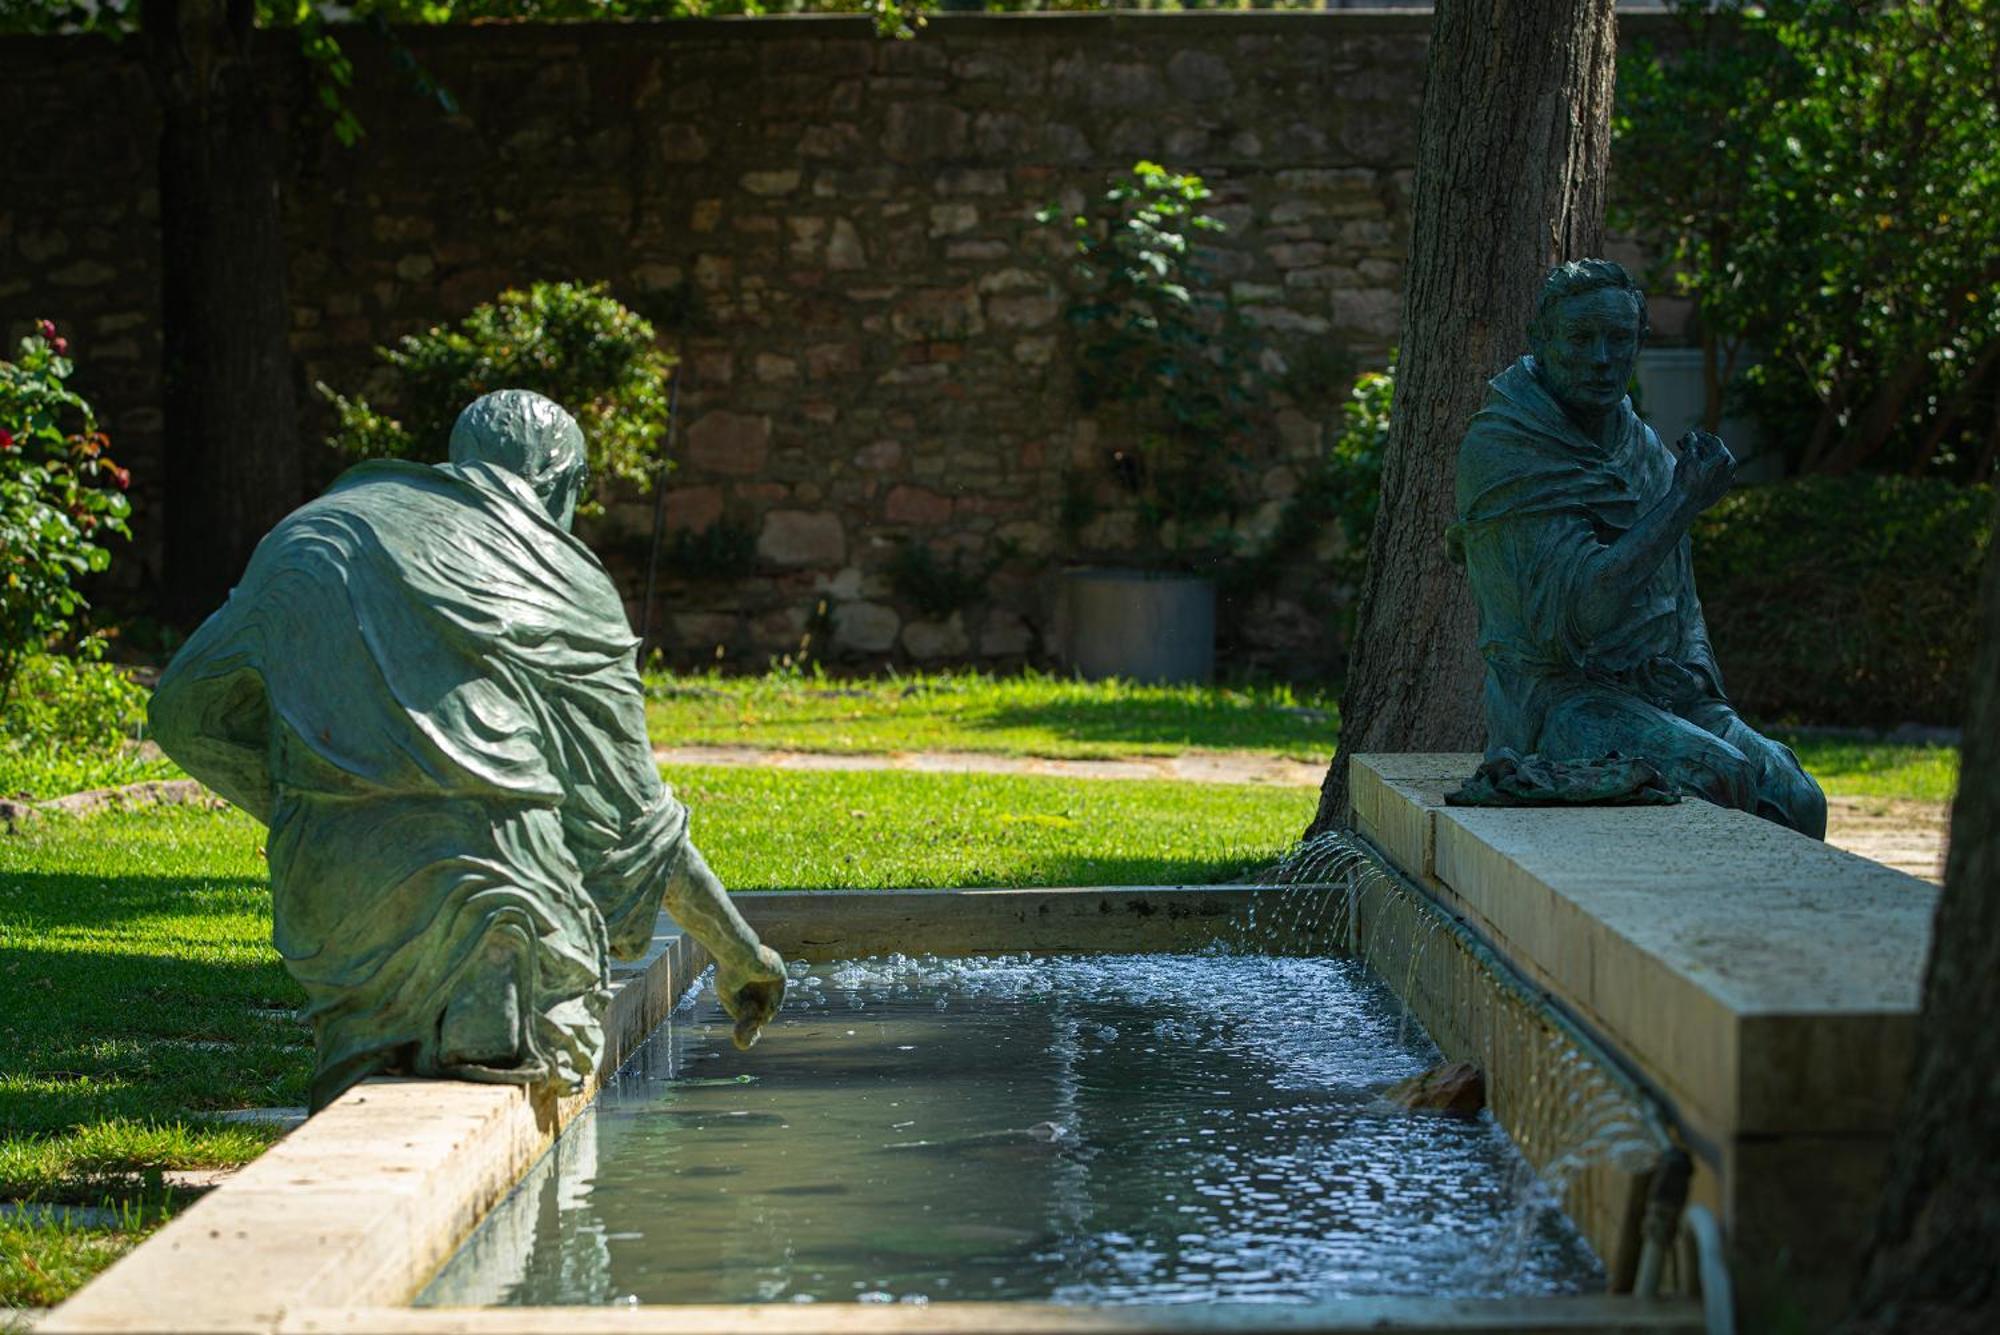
<point x="1768" y="983"/>
<point x="1203" y="23"/>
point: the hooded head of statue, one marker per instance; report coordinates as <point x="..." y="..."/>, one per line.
<point x="530" y="437"/>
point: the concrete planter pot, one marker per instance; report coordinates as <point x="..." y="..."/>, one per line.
<point x="1145" y="625"/>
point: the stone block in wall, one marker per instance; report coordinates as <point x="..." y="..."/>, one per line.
<point x="680" y="142"/>
<point x="729" y="442"/>
<point x="1005" y="635"/>
<point x="802" y="538"/>
<point x="916" y="505"/>
<point x="703" y="631"/>
<point x="929" y="640"/>
<point x="938" y="312"/>
<point x="868" y="628"/>
<point x="692" y="509"/>
<point x="923" y="131"/>
<point x="1200" y="76"/>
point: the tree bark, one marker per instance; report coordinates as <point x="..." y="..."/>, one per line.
<point x="1932" y="1264"/>
<point x="1513" y="144"/>
<point x="230" y="406"/>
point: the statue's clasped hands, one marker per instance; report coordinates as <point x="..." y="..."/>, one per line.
<point x="1705" y="469"/>
<point x="751" y="989"/>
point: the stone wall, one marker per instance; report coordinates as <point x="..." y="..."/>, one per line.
<point x="838" y="233"/>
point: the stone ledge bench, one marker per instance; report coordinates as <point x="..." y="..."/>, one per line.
<point x="1765" y="984"/>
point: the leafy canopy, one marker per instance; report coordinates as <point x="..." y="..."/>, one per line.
<point x="1824" y="174"/>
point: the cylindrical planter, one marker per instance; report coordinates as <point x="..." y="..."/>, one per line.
<point x="1143" y="625"/>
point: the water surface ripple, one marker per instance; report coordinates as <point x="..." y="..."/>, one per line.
<point x="1100" y="1129"/>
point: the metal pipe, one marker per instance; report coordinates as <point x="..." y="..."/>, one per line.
<point x="1664" y="1201"/>
<point x="1718" y="1291"/>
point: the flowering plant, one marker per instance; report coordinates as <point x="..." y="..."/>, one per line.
<point x="61" y="496"/>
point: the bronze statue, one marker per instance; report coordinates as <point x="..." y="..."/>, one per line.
<point x="424" y="686"/>
<point x="1573" y="525"/>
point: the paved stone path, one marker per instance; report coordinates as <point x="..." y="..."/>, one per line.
<point x="1900" y="833"/>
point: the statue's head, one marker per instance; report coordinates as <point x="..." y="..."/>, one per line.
<point x="1588" y="328"/>
<point x="529" y="436"/>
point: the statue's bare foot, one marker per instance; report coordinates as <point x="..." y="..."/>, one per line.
<point x="481" y="1026"/>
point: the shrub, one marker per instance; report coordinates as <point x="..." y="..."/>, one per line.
<point x="1845" y="600"/>
<point x="572" y="343"/>
<point x="60" y="496"/>
<point x="1156" y="339"/>
<point x="73" y="702"/>
<point x="1821" y="178"/>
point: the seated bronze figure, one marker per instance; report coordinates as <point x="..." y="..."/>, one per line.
<point x="1573" y="525"/>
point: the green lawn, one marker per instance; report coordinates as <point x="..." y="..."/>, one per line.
<point x="1849" y="767"/>
<point x="1033" y="714"/>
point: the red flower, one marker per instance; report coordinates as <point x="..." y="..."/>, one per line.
<point x="122" y="476"/>
<point x="61" y="345"/>
<point x="6" y="441"/>
<point x="48" y="328"/>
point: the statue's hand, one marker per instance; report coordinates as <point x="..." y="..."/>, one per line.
<point x="751" y="991"/>
<point x="1705" y="470"/>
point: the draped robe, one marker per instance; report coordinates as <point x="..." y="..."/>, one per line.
<point x="425" y="687"/>
<point x="1538" y="501"/>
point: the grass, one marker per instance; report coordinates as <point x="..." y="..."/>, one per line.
<point x="773" y="829"/>
<point x="42" y="1263"/>
<point x="1850" y="767"/>
<point x="1033" y="714"/>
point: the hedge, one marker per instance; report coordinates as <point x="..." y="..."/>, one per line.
<point x="1845" y="600"/>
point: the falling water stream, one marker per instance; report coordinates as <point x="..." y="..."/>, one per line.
<point x="1097" y="1129"/>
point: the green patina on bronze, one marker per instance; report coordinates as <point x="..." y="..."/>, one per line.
<point x="424" y="685"/>
<point x="1573" y="526"/>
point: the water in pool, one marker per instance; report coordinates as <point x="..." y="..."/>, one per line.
<point x="1100" y="1129"/>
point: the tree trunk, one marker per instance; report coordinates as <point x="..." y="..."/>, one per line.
<point x="1512" y="149"/>
<point x="1932" y="1265"/>
<point x="232" y="446"/>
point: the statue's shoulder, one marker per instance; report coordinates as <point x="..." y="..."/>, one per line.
<point x="393" y="474"/>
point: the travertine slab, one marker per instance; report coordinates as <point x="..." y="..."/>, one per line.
<point x="1771" y="980"/>
<point x="1393" y="798"/>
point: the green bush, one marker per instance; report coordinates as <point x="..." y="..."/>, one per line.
<point x="1845" y="600"/>
<point x="572" y="343"/>
<point x="1157" y="342"/>
<point x="1819" y="178"/>
<point x="76" y="702"/>
<point x="60" y="496"/>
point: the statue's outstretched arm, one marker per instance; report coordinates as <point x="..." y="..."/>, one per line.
<point x="1619" y="572"/>
<point x="749" y="975"/>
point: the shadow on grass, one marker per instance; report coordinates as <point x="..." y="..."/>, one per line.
<point x="114" y="1032"/>
<point x="1165" y="724"/>
<point x="33" y="903"/>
